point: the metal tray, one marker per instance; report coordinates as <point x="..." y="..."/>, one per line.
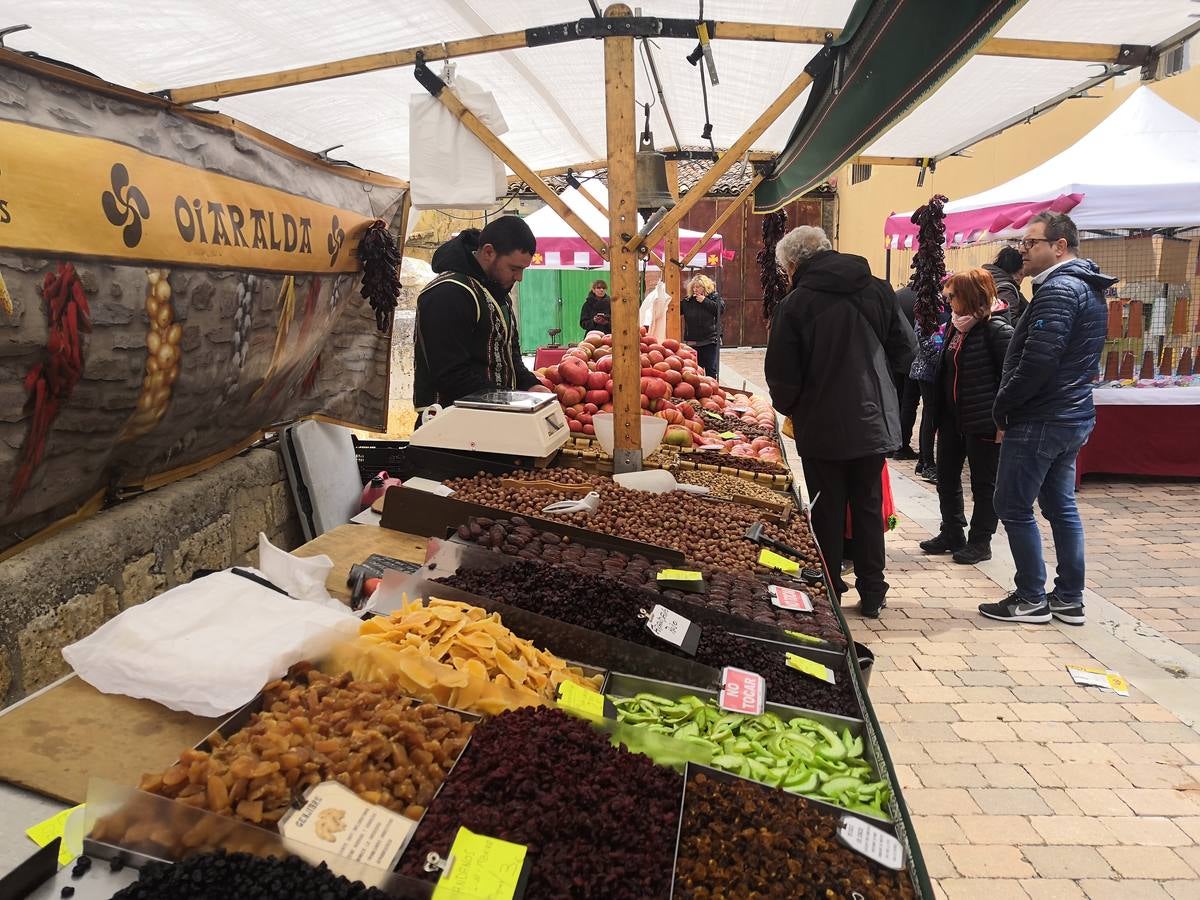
<point x="728" y="778"/>
<point x="621" y="685"/>
<point x="568" y="641"/>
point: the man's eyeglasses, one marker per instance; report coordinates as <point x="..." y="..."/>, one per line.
<point x="1027" y="243"/>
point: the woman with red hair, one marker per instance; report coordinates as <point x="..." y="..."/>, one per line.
<point x="965" y="388"/>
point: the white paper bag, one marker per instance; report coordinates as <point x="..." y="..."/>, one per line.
<point x="302" y="577"/>
<point x="448" y="165"/>
<point x="207" y="647"/>
<point x="653" y="311"/>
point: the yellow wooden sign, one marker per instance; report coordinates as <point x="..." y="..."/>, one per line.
<point x="63" y="194"/>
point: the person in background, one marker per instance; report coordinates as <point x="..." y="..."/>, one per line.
<point x="1007" y="271"/>
<point x="931" y="319"/>
<point x="835" y="342"/>
<point x="907" y="389"/>
<point x="1045" y="409"/>
<point x="702" y="322"/>
<point x="466" y="331"/>
<point x="967" y="381"/>
<point x="596" y="314"/>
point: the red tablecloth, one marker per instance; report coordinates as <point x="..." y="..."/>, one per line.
<point x="548" y="356"/>
<point x="1143" y="440"/>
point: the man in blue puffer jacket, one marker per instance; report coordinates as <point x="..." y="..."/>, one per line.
<point x="1044" y="407"/>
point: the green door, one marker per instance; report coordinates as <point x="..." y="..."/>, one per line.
<point x="575" y="284"/>
<point x="540" y="308"/>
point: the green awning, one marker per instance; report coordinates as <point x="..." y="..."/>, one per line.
<point x="891" y="55"/>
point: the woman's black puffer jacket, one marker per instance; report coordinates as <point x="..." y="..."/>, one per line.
<point x="979" y="364"/>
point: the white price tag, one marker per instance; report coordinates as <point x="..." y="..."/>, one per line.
<point x="674" y="629"/>
<point x="790" y="598"/>
<point x="669" y="626"/>
<point x="873" y="843"/>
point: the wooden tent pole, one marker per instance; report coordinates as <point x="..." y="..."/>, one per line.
<point x="620" y="108"/>
<point x="497" y="146"/>
<point x="1113" y="54"/>
<point x="701" y="188"/>
<point x="671" y="272"/>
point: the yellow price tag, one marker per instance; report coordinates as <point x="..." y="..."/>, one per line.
<point x="679" y="575"/>
<point x="808" y="667"/>
<point x="801" y="636"/>
<point x="773" y="560"/>
<point x="480" y="868"/>
<point x="728" y="435"/>
<point x="579" y="699"/>
<point x="44" y="832"/>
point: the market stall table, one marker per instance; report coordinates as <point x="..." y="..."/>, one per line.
<point x="1144" y="431"/>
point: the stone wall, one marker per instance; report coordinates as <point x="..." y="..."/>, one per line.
<point x="64" y="588"/>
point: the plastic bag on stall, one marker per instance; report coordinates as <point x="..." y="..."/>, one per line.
<point x="653" y="312"/>
<point x="448" y="165"/>
<point x="209" y="646"/>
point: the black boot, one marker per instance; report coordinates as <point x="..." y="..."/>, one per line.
<point x="943" y="543"/>
<point x="973" y="553"/>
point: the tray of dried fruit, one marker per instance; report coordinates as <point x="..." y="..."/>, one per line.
<point x="300" y="731"/>
<point x="681" y="522"/>
<point x="606" y="606"/>
<point x="743" y="596"/>
<point x="596" y="819"/>
<point x="740" y="838"/>
<point x="795" y="749"/>
<point x="450" y="557"/>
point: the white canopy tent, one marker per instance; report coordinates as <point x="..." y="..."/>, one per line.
<point x="552" y="96"/>
<point x="559" y="247"/>
<point x="1139" y="168"/>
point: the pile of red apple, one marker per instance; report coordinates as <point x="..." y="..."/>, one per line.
<point x="673" y="387"/>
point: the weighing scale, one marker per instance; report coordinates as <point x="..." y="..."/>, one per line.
<point x="514" y="428"/>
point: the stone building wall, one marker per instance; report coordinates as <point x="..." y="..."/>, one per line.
<point x="64" y="588"/>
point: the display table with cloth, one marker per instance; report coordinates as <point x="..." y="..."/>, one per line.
<point x="1144" y="431"/>
<point x="549" y="356"/>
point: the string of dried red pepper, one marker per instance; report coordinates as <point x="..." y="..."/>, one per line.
<point x="51" y="381"/>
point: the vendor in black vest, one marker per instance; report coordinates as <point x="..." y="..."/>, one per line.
<point x="466" y="331"/>
<point x="967" y="381"/>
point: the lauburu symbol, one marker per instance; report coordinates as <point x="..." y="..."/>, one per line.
<point x="335" y="239"/>
<point x="125" y="205"/>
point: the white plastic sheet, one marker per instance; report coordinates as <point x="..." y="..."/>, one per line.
<point x="450" y="166"/>
<point x="206" y="647"/>
<point x="552" y="96"/>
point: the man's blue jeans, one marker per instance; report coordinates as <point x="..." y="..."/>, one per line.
<point x="1037" y="461"/>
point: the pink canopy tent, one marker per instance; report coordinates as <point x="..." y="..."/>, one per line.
<point x="559" y="247"/>
<point x="1139" y="168"/>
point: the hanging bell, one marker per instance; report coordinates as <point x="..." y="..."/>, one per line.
<point x="650" y="175"/>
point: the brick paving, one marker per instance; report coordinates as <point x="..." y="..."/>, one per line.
<point x="1022" y="784"/>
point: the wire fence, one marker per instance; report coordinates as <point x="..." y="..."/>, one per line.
<point x="1153" y="310"/>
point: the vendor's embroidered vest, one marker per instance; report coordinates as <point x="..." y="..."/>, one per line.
<point x="499" y="357"/>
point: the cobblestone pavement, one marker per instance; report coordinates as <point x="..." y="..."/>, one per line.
<point x="1022" y="784"/>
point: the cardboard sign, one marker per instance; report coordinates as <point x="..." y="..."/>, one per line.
<point x="790" y="598"/>
<point x="773" y="560"/>
<point x="742" y="691"/>
<point x="813" y="669"/>
<point x="873" y="843"/>
<point x="481" y="868"/>
<point x="674" y="629"/>
<point x="336" y="821"/>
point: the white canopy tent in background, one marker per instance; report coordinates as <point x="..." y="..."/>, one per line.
<point x="552" y="96"/>
<point x="559" y="247"/>
<point x="1139" y="168"/>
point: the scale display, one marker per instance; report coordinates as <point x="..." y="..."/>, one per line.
<point x="506" y="401"/>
